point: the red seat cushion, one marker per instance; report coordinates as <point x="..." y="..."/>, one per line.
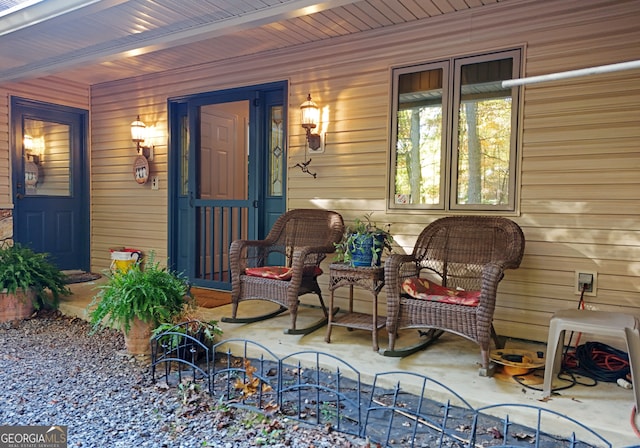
<point x="421" y="288"/>
<point x="280" y="272"/>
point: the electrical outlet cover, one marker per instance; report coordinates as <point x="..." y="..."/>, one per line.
<point x="580" y="277"/>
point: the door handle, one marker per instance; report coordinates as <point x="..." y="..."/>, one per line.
<point x="19" y="196"/>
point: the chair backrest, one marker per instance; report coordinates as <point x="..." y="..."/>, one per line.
<point x="306" y="227"/>
<point x="457" y="247"/>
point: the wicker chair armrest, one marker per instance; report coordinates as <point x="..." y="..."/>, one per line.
<point x="238" y="253"/>
<point x="250" y="243"/>
<point x="298" y="261"/>
<point x="492" y="274"/>
<point x="394" y="261"/>
<point x="300" y="255"/>
<point x="308" y="250"/>
<point x="396" y="271"/>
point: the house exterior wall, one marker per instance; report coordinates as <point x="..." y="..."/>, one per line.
<point x="579" y="195"/>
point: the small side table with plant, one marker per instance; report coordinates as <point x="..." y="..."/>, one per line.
<point x="358" y="263"/>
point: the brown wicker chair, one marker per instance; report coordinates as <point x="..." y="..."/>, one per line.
<point x="462" y="253"/>
<point x="300" y="240"/>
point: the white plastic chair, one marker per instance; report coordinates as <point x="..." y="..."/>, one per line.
<point x="594" y="322"/>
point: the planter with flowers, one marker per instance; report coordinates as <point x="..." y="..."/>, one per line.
<point x="363" y="243"/>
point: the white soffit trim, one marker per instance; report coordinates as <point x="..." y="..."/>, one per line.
<point x="32" y="13"/>
<point x="154" y="40"/>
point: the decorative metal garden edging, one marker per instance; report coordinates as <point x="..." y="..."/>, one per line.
<point x="178" y="347"/>
<point x="322" y="389"/>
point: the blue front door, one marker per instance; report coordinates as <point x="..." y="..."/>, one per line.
<point x="228" y="159"/>
<point x="49" y="181"/>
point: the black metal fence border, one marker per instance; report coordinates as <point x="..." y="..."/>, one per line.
<point x="320" y="388"/>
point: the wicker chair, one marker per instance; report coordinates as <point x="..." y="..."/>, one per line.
<point x="467" y="253"/>
<point x="299" y="240"/>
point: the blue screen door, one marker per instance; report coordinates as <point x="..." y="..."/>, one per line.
<point x="229" y="177"/>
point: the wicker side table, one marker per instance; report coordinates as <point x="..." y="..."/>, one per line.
<point x="369" y="278"/>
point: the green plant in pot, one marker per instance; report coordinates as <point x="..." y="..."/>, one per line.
<point x="28" y="281"/>
<point x="363" y="243"/>
<point x="138" y="299"/>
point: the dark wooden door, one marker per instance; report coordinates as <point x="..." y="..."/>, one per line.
<point x="50" y="185"/>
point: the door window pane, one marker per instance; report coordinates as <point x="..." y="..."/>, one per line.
<point x="47" y="152"/>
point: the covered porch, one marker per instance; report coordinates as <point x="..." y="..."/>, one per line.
<point x="453" y="361"/>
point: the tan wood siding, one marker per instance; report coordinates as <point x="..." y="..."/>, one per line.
<point x="580" y="185"/>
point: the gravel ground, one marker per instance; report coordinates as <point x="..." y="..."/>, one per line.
<point x="54" y="373"/>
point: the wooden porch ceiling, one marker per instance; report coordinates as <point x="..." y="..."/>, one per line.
<point x="95" y="41"/>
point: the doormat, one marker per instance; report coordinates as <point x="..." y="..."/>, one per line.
<point x="210" y="298"/>
<point x="80" y="277"/>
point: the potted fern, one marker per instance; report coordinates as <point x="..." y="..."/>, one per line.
<point x="28" y="281"/>
<point x="363" y="243"/>
<point x="137" y="300"/>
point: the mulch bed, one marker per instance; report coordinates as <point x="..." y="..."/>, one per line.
<point x="309" y="396"/>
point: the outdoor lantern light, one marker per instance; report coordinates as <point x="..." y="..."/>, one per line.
<point x="33" y="148"/>
<point x="138" y="136"/>
<point x="309" y="118"/>
<point x="28" y="143"/>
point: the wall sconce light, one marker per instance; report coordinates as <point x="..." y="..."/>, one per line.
<point x="33" y="153"/>
<point x="138" y="136"/>
<point x="309" y="118"/>
<point x="28" y="143"/>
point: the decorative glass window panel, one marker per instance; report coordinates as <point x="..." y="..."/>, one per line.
<point x="276" y="152"/>
<point x="184" y="156"/>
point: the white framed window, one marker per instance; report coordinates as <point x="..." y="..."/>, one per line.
<point x="454" y="134"/>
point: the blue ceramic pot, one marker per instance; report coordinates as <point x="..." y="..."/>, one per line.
<point x="363" y="248"/>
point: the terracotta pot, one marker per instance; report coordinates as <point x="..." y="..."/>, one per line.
<point x="138" y="338"/>
<point x="16" y="306"/>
